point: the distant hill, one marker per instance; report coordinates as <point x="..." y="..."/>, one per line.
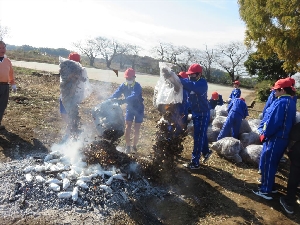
<point x="45" y="51"/>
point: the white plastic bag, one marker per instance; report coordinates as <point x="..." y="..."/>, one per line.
<point x="228" y="147"/>
<point x="251" y="138"/>
<point x="219" y="121"/>
<point x="251" y="154"/>
<point x="167" y="91"/>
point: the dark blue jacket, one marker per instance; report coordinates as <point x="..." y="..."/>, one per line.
<point x="279" y="118"/>
<point x="132" y="94"/>
<point x="213" y="103"/>
<point x="197" y="95"/>
<point x="239" y="106"/>
<point x="236" y="93"/>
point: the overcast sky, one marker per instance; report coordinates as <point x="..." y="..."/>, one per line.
<point x="59" y="23"/>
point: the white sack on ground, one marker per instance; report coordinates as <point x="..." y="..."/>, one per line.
<point x="251" y="138"/>
<point x="245" y="127"/>
<point x="221" y="110"/>
<point x="251" y="154"/>
<point x="167" y="91"/>
<point x="228" y="147"/>
<point x="219" y="121"/>
<point x="254" y="123"/>
<point x="212" y="133"/>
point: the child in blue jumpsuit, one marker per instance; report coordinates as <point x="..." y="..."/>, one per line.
<point x="132" y="92"/>
<point x="216" y="99"/>
<point x="279" y="119"/>
<point x="236" y="92"/>
<point x="197" y="87"/>
<point x="269" y="102"/>
<point x="237" y="111"/>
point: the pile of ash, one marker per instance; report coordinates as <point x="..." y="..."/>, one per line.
<point x="50" y="182"/>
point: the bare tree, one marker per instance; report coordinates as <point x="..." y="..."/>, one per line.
<point x="231" y="57"/>
<point x="109" y="49"/>
<point x="133" y="54"/>
<point x="180" y="56"/>
<point x="205" y="59"/>
<point x="3" y="32"/>
<point x="88" y="48"/>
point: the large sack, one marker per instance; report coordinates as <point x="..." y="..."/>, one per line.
<point x="167" y="91"/>
<point x="251" y="154"/>
<point x="221" y="110"/>
<point x="251" y="138"/>
<point x="212" y="115"/>
<point x="245" y="127"/>
<point x="254" y="123"/>
<point x="212" y="133"/>
<point x="109" y="120"/>
<point x="228" y="147"/>
<point x="219" y="121"/>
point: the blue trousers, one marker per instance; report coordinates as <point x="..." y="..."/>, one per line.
<point x="231" y="127"/>
<point x="201" y="122"/>
<point x="272" y="152"/>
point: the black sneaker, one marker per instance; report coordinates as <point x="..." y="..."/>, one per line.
<point x="288" y="208"/>
<point x="207" y="156"/>
<point x="193" y="166"/>
<point x="263" y="195"/>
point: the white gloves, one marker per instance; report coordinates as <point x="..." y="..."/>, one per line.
<point x="14" y="88"/>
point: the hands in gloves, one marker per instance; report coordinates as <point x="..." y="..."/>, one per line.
<point x="262" y="138"/>
<point x="14" y="88"/>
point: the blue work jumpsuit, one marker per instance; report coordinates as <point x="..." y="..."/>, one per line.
<point x="199" y="106"/>
<point x="236" y="93"/>
<point x="237" y="111"/>
<point x="280" y="117"/>
<point x="135" y="102"/>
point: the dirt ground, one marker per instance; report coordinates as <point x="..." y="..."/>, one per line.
<point x="218" y="193"/>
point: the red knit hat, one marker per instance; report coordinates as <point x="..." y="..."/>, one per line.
<point x="215" y="95"/>
<point x="129" y="73"/>
<point x="74" y="56"/>
<point x="194" y="68"/>
<point x="183" y="74"/>
<point x="236" y="82"/>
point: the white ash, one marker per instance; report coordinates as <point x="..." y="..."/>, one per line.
<point x="106" y="191"/>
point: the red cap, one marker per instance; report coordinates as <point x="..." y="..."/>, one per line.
<point x="194" y="68"/>
<point x="215" y="95"/>
<point x="74" y="56"/>
<point x="236" y="82"/>
<point x="282" y="83"/>
<point x="183" y="74"/>
<point x="292" y="80"/>
<point x="129" y="73"/>
<point x="242" y="99"/>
